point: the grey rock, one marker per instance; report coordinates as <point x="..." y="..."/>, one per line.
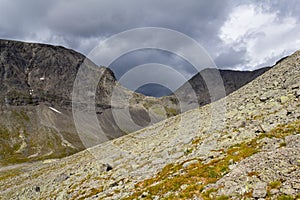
<point x="288" y="190"/>
<point x="61" y="177"/>
<point x="274" y="191"/>
<point x="293" y="141"/>
<point x="263" y="98"/>
<point x="270" y="143"/>
<point x="260" y="190"/>
<point x="296" y="185"/>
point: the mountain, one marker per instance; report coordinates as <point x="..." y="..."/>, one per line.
<point x="36" y="119"/>
<point x="232" y="80"/>
<point x="153" y="89"/>
<point x="36" y="116"/>
<point x="244" y="146"/>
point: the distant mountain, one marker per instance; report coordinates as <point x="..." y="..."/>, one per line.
<point x="154" y="90"/>
<point x="231" y="81"/>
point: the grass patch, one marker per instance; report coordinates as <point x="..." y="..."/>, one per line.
<point x="149" y="104"/>
<point x="285" y="197"/>
<point x="188" y="151"/>
<point x="275" y="184"/>
<point x="43" y="142"/>
<point x="171" y="111"/>
<point x="170" y="179"/>
<point x="199" y="175"/>
<point x="4" y="133"/>
<point x="222" y="197"/>
<point x="91" y="192"/>
<point x="282" y="144"/>
<point x="9" y="174"/>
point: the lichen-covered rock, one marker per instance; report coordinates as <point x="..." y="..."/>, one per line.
<point x="259" y="190"/>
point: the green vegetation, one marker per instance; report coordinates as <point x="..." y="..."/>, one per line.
<point x="42" y="143"/>
<point x="283" y="144"/>
<point x="20" y="115"/>
<point x="4" y="133"/>
<point x="272" y="185"/>
<point x="188" y="151"/>
<point x="81" y="192"/>
<point x="284" y="130"/>
<point x="275" y="184"/>
<point x="199" y="175"/>
<point x="222" y="197"/>
<point x="9" y="174"/>
<point x="194" y="174"/>
<point x="171" y="111"/>
<point x="285" y="197"/>
<point x="149" y="104"/>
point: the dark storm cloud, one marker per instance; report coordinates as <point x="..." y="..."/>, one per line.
<point x="94" y="18"/>
<point x="237" y="34"/>
<point x="74" y="23"/>
<point x="126" y="62"/>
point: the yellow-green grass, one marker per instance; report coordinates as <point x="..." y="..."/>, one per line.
<point x="199" y="175"/>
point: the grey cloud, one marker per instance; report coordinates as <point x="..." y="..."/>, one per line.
<point x="284" y="8"/>
<point x="231" y="57"/>
<point x="73" y="21"/>
<point x="82" y="24"/>
<point x="21" y="18"/>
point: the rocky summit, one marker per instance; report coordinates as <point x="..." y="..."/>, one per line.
<point x="243" y="146"/>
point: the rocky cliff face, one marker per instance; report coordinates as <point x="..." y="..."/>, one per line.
<point x="35" y="98"/>
<point x="248" y="151"/>
<point x="34" y="73"/>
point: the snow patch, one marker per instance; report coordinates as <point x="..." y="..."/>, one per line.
<point x="55" y="110"/>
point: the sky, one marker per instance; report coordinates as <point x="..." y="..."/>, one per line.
<point x="241" y="35"/>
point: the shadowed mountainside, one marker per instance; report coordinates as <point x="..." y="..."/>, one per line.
<point x="232" y="80"/>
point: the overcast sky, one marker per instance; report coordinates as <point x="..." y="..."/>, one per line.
<point x="237" y="34"/>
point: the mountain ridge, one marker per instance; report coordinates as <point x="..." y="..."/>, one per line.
<point x="206" y="162"/>
<point x="36" y="118"/>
